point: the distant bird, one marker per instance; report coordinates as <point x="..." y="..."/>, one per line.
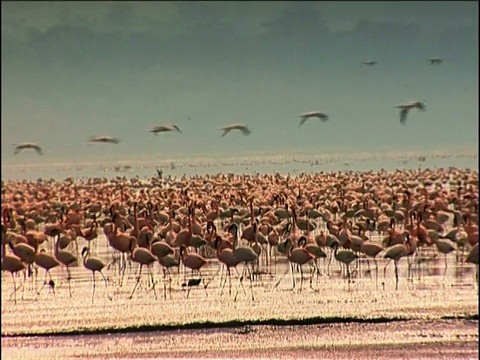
<point x="23" y="146"/>
<point x="435" y="61"/>
<point x="242" y="127"/>
<point x="165" y="128"/>
<point x="369" y="63"/>
<point x="405" y="108"/>
<point x="160" y="173"/>
<point x="312" y="114"/>
<point x="104" y="139"/>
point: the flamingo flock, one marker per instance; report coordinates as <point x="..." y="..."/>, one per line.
<point x="244" y="224"/>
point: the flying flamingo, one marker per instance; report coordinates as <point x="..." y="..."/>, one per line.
<point x="27" y="145"/>
<point x="405" y="108"/>
<point x="312" y="114"/>
<point x="435" y="61"/>
<point x="165" y="128"/>
<point x="241" y="127"/>
<point x="103" y="139"/>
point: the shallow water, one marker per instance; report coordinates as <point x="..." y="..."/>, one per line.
<point x="441" y="339"/>
<point x="432" y="316"/>
<point x="38" y="167"/>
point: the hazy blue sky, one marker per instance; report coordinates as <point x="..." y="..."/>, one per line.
<point x="74" y="69"/>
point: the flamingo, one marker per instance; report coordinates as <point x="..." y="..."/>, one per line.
<point x="372" y="250"/>
<point x="67" y="259"/>
<point x="94" y="265"/>
<point x="444" y="246"/>
<point x="299" y="256"/>
<point x="28" y="145"/>
<point x="144" y="257"/>
<point x="370" y="63"/>
<point x="244" y="254"/>
<point x="472" y="258"/>
<point x="435" y="61"/>
<point x="13" y="264"/>
<point x="405" y="108"/>
<point x="396" y="252"/>
<point x="167" y="262"/>
<point x="194" y="262"/>
<point x="312" y="114"/>
<point x="46" y="262"/>
<point x="165" y="128"/>
<point x="241" y="127"/>
<point x="344" y="257"/>
<point x="103" y="139"/>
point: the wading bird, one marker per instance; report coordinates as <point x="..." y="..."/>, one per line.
<point x="94" y="265"/>
<point x="242" y="127"/>
<point x="13" y="264"/>
<point x="104" y="139"/>
<point x="405" y="108"/>
<point x="369" y="63"/>
<point x="310" y="115"/>
<point x="165" y="128"/>
<point x="24" y="146"/>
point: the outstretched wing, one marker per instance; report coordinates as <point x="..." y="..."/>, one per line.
<point x="403" y="116"/>
<point x="38" y="149"/>
<point x="245" y="131"/>
<point x="323" y="117"/>
<point x="304" y="119"/>
<point x="225" y="132"/>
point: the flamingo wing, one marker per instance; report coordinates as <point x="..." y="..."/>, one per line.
<point x="245" y="131"/>
<point x="38" y="149"/>
<point x="403" y="116"/>
<point x="304" y="119"/>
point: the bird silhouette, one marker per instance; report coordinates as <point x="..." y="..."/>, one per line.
<point x="165" y="128"/>
<point x="312" y="114"/>
<point x="242" y="127"/>
<point x="104" y="139"/>
<point x="405" y="108"/>
<point x="435" y="61"/>
<point x="23" y="146"/>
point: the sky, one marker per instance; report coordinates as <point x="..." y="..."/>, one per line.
<point x="75" y="69"/>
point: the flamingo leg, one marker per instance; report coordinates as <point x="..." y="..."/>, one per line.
<point x="445" y="270"/>
<point x="14" y="288"/>
<point x="164" y="284"/>
<point x="396" y="274"/>
<point x="69" y="284"/>
<point x="44" y="283"/>
<point x="153" y="282"/>
<point x="385" y="269"/>
<point x="93" y="287"/>
<point x="138" y="280"/>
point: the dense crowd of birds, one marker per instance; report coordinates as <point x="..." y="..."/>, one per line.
<point x="252" y="221"/>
